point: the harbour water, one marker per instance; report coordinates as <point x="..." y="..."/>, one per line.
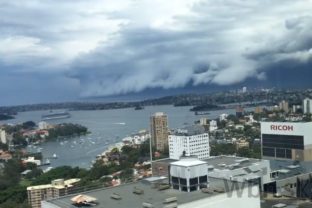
<point x="107" y="127"/>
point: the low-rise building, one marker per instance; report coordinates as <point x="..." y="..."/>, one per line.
<point x="57" y="188"/>
<point x="223" y="117"/>
<point x="241" y="143"/>
<point x="32" y="160"/>
<point x="43" y="125"/>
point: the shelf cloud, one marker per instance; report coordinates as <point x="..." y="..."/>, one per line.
<point x="123" y="46"/>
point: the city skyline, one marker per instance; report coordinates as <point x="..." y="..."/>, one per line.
<point x="51" y="52"/>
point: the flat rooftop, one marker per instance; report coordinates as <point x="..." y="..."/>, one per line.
<point x="288" y="168"/>
<point x="151" y="195"/>
<point x="221" y="162"/>
<point x="189" y="130"/>
<point x="188" y="162"/>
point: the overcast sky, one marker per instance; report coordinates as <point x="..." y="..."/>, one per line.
<point x="58" y="50"/>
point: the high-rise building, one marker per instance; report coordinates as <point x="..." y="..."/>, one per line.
<point x="307" y="106"/>
<point x="244" y="89"/>
<point x="3" y="136"/>
<point x="189" y="141"/>
<point x="239" y="111"/>
<point x="283" y="105"/>
<point x="159" y="131"/>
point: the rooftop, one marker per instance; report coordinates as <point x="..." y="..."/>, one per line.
<point x="222" y="162"/>
<point x="68" y="182"/>
<point x="187" y="162"/>
<point x="189" y="130"/>
<point x="288" y="169"/>
<point x="148" y="194"/>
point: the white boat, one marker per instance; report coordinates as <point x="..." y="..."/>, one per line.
<point x="54" y="156"/>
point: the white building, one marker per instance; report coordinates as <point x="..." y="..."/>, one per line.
<point x="188" y="169"/>
<point x="223" y="117"/>
<point x="189" y="141"/>
<point x="213" y="125"/>
<point x="244" y="89"/>
<point x="203" y="121"/>
<point x="307" y="106"/>
<point x="43" y="125"/>
<point x="3" y="136"/>
<point x="32" y="160"/>
<point x="287" y="140"/>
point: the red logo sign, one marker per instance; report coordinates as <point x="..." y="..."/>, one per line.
<point x="282" y="127"/>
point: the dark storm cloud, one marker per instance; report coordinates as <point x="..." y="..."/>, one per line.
<point x="124" y="46"/>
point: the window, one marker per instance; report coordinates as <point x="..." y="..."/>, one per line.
<point x="183" y="181"/>
<point x="203" y="179"/>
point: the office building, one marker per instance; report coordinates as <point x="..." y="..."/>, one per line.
<point x="159" y="131"/>
<point x="283" y="106"/>
<point x="185" y="187"/>
<point x="307" y="106"/>
<point x="226" y="167"/>
<point x="56" y="189"/>
<point x="287" y="140"/>
<point x="189" y="141"/>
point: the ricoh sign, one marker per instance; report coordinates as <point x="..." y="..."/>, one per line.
<point x="282" y="128"/>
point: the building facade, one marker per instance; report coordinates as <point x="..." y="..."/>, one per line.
<point x="189" y="174"/>
<point x="284" y="106"/>
<point x="159" y="131"/>
<point x="190" y="141"/>
<point x="307" y="106"/>
<point x="287" y="140"/>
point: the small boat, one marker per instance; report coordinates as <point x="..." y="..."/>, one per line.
<point x="54" y="156"/>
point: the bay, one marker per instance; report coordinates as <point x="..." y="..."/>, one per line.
<point x="107" y="127"/>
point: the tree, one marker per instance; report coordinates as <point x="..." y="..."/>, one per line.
<point x="244" y="152"/>
<point x="34" y="173"/>
<point x="126" y="174"/>
<point x="29" y="125"/>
